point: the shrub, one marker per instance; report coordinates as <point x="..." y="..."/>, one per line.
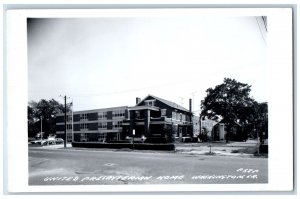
<point x="138" y="146"/>
<point x="156" y="140"/>
<point x="210" y="153"/>
<point x="119" y="141"/>
<point x="263" y="148"/>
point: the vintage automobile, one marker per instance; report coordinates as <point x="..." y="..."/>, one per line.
<point x="40" y="142"/>
<point x="59" y="140"/>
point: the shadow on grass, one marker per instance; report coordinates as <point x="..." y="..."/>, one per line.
<point x="250" y="150"/>
<point x="210" y="153"/>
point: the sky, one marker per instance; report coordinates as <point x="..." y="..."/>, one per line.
<point x="108" y="62"/>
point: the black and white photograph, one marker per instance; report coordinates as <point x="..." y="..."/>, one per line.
<point x="147" y="100"/>
<point x="150" y="97"/>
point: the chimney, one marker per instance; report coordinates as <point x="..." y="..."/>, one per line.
<point x="190" y="103"/>
<point x="137" y="100"/>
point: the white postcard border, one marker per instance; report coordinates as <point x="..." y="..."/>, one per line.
<point x="280" y="82"/>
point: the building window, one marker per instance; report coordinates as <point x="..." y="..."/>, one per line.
<point x="163" y="112"/>
<point x="102" y="137"/>
<point x="174" y="115"/>
<point x="83" y="116"/>
<point x="117" y="124"/>
<point x="102" y="125"/>
<point x="69" y="118"/>
<point x="177" y="116"/>
<point x="184" y="117"/>
<point x="69" y="126"/>
<point x="137" y="114"/>
<point x="149" y="102"/>
<point x="102" y="115"/>
<point x="118" y="113"/>
<point x="83" y="137"/>
<point x="69" y="137"/>
<point x="83" y="126"/>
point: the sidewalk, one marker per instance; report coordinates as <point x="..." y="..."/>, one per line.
<point x="237" y="149"/>
<point x="241" y="149"/>
<point x="52" y="146"/>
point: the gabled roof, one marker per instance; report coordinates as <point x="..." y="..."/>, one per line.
<point x="168" y="103"/>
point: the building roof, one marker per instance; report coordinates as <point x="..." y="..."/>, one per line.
<point x="93" y="110"/>
<point x="169" y="103"/>
<point x="143" y="108"/>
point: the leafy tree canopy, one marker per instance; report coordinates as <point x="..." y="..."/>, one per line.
<point x="227" y="101"/>
<point x="47" y="110"/>
<point x="231" y="103"/>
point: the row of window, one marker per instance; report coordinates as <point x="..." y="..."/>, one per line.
<point x="83" y="126"/>
<point x="178" y="116"/>
<point x="83" y="116"/>
<point x="118" y="114"/>
<point x="103" y="115"/>
<point x="101" y="137"/>
<point x="117" y="124"/>
<point x="100" y="116"/>
<point x="101" y="125"/>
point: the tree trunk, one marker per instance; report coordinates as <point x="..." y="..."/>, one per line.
<point x="228" y="132"/>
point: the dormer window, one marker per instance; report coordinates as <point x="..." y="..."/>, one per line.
<point x="149" y="102"/>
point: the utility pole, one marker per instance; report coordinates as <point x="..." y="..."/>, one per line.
<point x="41" y="128"/>
<point x="65" y="135"/>
<point x="200" y="125"/>
<point x="72" y="124"/>
<point x="65" y="143"/>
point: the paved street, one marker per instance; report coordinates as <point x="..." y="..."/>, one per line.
<point x="97" y="167"/>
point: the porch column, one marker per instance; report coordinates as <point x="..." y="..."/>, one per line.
<point x="147" y="123"/>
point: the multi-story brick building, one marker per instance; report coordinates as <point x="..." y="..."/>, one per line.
<point x="92" y="125"/>
<point x="151" y="117"/>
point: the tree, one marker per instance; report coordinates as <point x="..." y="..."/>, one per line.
<point x="257" y="120"/>
<point x="169" y="132"/>
<point x="262" y="121"/>
<point x="32" y="128"/>
<point x="203" y="136"/>
<point x="227" y="101"/>
<point x="47" y="110"/>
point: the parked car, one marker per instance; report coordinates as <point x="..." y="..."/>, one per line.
<point x="35" y="141"/>
<point x="59" y="140"/>
<point x="51" y="139"/>
<point x="40" y="142"/>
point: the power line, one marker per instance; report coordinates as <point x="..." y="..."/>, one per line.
<point x="260" y="30"/>
<point x="265" y="22"/>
